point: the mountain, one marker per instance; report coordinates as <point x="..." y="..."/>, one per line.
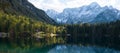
<point x="23" y="7"/>
<point x="52" y="14"/>
<point x="92" y="13"/>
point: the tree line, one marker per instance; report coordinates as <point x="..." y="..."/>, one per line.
<point x="105" y="34"/>
<point x="102" y="33"/>
<point x="15" y="25"/>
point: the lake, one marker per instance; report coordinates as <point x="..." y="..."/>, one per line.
<point x="54" y="45"/>
<point x="56" y="49"/>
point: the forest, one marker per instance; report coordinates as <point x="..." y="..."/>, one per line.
<point x="18" y="24"/>
<point x="22" y="28"/>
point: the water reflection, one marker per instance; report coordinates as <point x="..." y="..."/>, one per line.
<point x="82" y="49"/>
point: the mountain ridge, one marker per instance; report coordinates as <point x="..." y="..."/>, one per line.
<point x="84" y="14"/>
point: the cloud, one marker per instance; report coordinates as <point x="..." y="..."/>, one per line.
<point x="59" y="5"/>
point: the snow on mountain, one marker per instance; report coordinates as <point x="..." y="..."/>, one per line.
<point x="92" y="13"/>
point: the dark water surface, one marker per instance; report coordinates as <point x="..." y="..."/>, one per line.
<point x="80" y="49"/>
<point x="4" y="48"/>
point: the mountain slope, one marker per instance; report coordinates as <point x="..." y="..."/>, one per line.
<point x="23" y="7"/>
<point x="107" y="16"/>
<point x="86" y="14"/>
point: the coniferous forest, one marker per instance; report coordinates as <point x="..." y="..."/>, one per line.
<point x="25" y="30"/>
<point x="22" y="26"/>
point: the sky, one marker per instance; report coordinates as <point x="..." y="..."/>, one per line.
<point x="60" y="5"/>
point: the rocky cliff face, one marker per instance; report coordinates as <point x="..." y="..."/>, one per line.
<point x="92" y="13"/>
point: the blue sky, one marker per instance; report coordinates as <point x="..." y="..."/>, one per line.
<point x="59" y="5"/>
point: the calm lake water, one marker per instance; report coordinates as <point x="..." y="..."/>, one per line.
<point x="57" y="49"/>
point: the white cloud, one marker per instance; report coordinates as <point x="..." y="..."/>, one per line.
<point x="59" y="5"/>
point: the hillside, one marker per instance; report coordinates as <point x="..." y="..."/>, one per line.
<point x="23" y="7"/>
